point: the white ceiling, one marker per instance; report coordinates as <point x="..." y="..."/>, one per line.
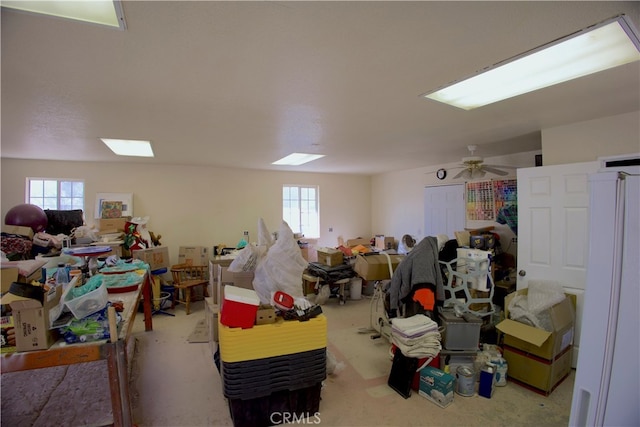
<point x="241" y="84"/>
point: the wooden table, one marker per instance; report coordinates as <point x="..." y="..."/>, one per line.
<point x="118" y="354"/>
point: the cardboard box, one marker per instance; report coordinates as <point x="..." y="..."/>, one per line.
<point x="437" y="386"/>
<point x="384" y="242"/>
<point x="212" y="311"/>
<point x="304" y="250"/>
<point x="543" y="375"/>
<point x="157" y="257"/>
<point x="266" y="314"/>
<point x="539" y="342"/>
<point x="7" y="329"/>
<point x="112" y="225"/>
<point x="31" y="320"/>
<point x="331" y="257"/>
<point x="214" y="262"/>
<point x="19" y="230"/>
<point x="355" y="242"/>
<point x="7" y="277"/>
<point x="193" y="255"/>
<point x="376" y="267"/>
<point x="226" y="277"/>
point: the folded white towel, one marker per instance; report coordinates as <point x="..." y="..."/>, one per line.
<point x="428" y="346"/>
<point x="415" y="333"/>
<point x="414" y="325"/>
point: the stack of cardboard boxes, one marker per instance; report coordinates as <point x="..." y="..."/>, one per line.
<point x="219" y="277"/>
<point x="112" y="232"/>
<point x="537" y="358"/>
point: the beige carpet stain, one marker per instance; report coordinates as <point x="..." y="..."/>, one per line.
<point x="200" y="333"/>
<point x="380" y="391"/>
<point x="350" y="343"/>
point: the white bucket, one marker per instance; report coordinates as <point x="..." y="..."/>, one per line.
<point x="355" y="288"/>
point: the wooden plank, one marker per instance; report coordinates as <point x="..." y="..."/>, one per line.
<point x="66" y="355"/>
<point x="146" y="292"/>
<point x="114" y="384"/>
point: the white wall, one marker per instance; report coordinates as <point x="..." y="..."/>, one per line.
<point x="586" y="141"/>
<point x="207" y="206"/>
<point x="201" y="205"/>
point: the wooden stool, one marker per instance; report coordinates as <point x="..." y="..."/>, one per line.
<point x="185" y="279"/>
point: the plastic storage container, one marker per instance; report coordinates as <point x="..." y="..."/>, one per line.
<point x="88" y="303"/>
<point x="62" y="275"/>
<point x="272" y="409"/>
<point x="259" y="378"/>
<point x="275" y="339"/>
<point x="259" y="391"/>
<point x="460" y="333"/>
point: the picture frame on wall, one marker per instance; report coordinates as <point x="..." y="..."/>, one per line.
<point x="122" y="200"/>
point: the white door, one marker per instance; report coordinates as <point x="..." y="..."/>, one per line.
<point x="444" y="210"/>
<point x="553" y="224"/>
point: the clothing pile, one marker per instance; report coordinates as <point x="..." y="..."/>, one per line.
<point x="416" y="336"/>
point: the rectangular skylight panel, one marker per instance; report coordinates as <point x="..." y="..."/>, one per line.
<point x="128" y="147"/>
<point x="589" y="52"/>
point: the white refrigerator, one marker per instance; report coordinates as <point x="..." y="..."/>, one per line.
<point x="607" y="382"/>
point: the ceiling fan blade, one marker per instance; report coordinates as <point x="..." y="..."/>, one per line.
<point x="501" y="166"/>
<point x="461" y="173"/>
<point x="494" y="170"/>
<point x="448" y="169"/>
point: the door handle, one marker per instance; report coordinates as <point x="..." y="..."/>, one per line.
<point x="522" y="273"/>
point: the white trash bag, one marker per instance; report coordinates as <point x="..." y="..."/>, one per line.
<point x="281" y="268"/>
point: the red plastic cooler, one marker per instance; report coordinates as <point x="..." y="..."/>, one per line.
<point x="239" y="307"/>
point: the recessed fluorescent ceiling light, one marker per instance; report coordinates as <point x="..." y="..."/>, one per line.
<point x="602" y="46"/>
<point x="127" y="147"/>
<point x="95" y="11"/>
<point x="296" y="159"/>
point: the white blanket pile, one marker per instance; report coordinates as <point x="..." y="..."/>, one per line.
<point x="416" y="336"/>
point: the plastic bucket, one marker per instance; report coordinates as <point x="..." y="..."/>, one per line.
<point x="355" y="288"/>
<point x="465" y="381"/>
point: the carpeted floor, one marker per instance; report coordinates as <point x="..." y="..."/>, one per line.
<point x="175" y="383"/>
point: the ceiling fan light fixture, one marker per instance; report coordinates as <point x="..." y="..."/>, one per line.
<point x="605" y="45"/>
<point x="477" y="173"/>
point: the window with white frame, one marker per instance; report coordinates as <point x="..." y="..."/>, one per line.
<point x="57" y="194"/>
<point x="301" y="209"/>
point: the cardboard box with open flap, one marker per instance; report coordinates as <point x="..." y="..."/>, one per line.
<point x="536" y="341"/>
<point x="33" y="320"/>
<point x="537" y="358"/>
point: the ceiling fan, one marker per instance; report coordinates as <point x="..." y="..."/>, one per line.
<point x="474" y="167"/>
